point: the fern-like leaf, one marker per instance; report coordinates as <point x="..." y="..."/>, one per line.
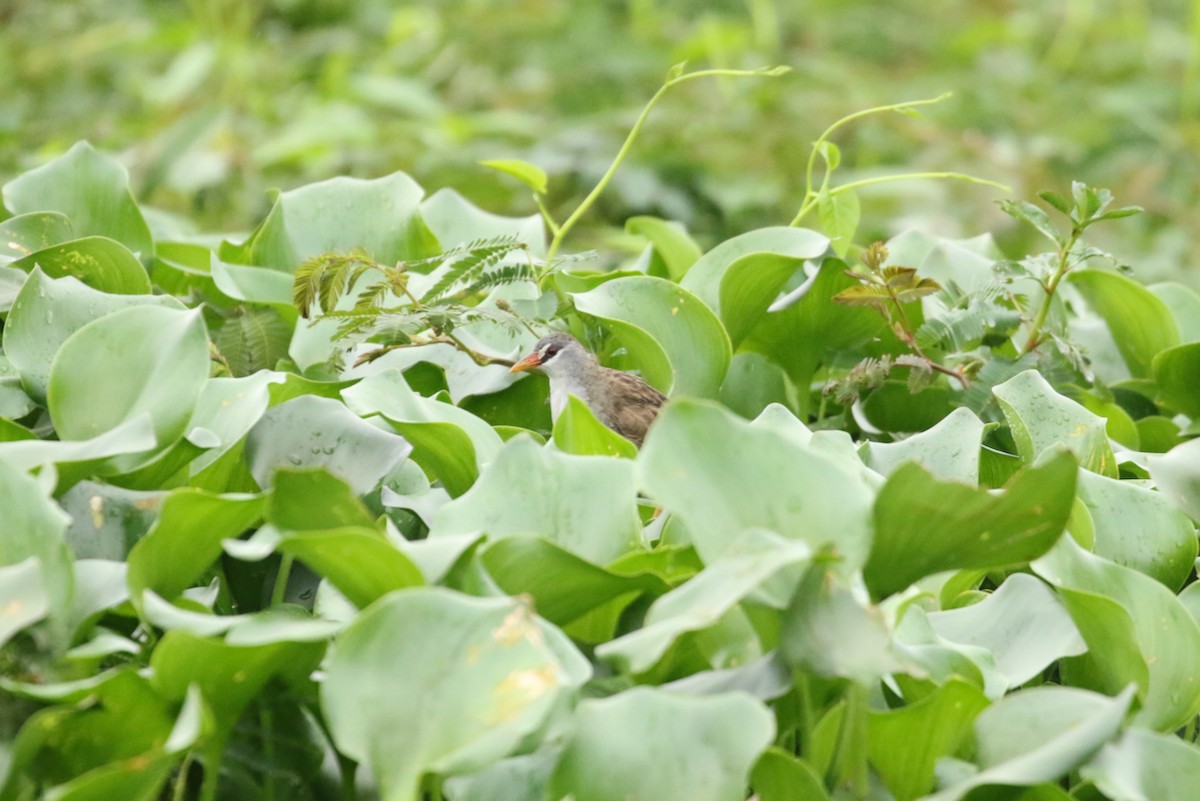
<point x="477" y="258"/>
<point x="253" y="341"/>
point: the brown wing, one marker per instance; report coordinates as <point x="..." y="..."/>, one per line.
<point x="632" y="405"/>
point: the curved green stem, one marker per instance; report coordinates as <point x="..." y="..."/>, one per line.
<point x="675" y="80"/>
<point x="1060" y="270"/>
<point x="812" y="198"/>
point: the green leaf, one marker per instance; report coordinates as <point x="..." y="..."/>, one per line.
<point x="1026" y="211"/>
<point x="78" y="459"/>
<point x="1143" y="765"/>
<point x="23" y="599"/>
<point x="702" y="601"/>
<point x="840" y="213"/>
<point x="679" y="344"/>
<point x="1165" y="635"/>
<point x="578" y="431"/>
<point x="27" y="233"/>
<point x="1022" y="624"/>
<point x="1177" y="474"/>
<point x="752" y="384"/>
<point x="1184" y="304"/>
<point x="669" y="240"/>
<point x="252" y="284"/>
<point x="311" y="431"/>
<point x="34" y="527"/>
<point x="380" y="216"/>
<point x="563" y="586"/>
<point x="1056" y="200"/>
<point x="584" y="504"/>
<point x="924" y="526"/>
<point x="455" y="221"/>
<point x="359" y="561"/>
<point x="253" y="340"/>
<point x="1039" y="735"/>
<point x="97" y="261"/>
<point x="529" y="174"/>
<point x="721" y="475"/>
<point x="91" y="190"/>
<point x="132" y="361"/>
<point x="780" y="776"/>
<point x="47" y="312"/>
<point x="1177" y="373"/>
<point x="1141" y="324"/>
<point x="1138" y="528"/>
<point x="1040" y="419"/>
<point x="906" y="763"/>
<point x="949" y="450"/>
<point x="702" y="749"/>
<point x="186" y="539"/>
<point x="484" y="664"/>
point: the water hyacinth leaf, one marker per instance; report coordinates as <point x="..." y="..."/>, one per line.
<point x="578" y="431"/>
<point x="33" y="528"/>
<point x="702" y="749"/>
<point x="1139" y="528"/>
<point x="252" y="284"/>
<point x="584" y="504"/>
<point x="1141" y="324"/>
<point x="1022" y="624"/>
<point x="186" y="539"/>
<point x="1177" y="474"/>
<point x="380" y="216"/>
<point x="312" y="500"/>
<point x="1145" y="765"/>
<point x="227" y="409"/>
<point x="47" y="311"/>
<point x="1164" y="632"/>
<point x="91" y="190"/>
<point x="31" y="232"/>
<point x="1040" y="418"/>
<point x="1177" y="373"/>
<point x="99" y="262"/>
<point x="722" y="475"/>
<point x="839" y="215"/>
<point x="749" y="286"/>
<point x="455" y="221"/>
<point x="151" y="360"/>
<point x="948" y="450"/>
<point x="677" y="342"/>
<point x="906" y="763"/>
<point x="701" y="602"/>
<point x="23" y="600"/>
<point x="1038" y="736"/>
<point x="311" y="431"/>
<point x="780" y="776"/>
<point x="359" y="561"/>
<point x="483" y="663"/>
<point x="707" y="278"/>
<point x="77" y="459"/>
<point x="106" y="521"/>
<point x="562" y="585"/>
<point x="670" y="242"/>
<point x="1184" y="304"/>
<point x="753" y="383"/>
<point x="517" y="778"/>
<point x="924" y="526"/>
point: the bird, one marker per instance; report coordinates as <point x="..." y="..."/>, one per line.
<point x="622" y="401"/>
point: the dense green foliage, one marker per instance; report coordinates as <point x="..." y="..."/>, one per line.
<point x="276" y="521"/>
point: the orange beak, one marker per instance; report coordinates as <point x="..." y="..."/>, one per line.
<point x="528" y="363"/>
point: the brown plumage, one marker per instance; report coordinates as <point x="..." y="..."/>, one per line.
<point x="622" y="401"/>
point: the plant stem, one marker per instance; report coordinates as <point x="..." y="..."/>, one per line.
<point x="1060" y="270"/>
<point x="281" y="579"/>
<point x="812" y="197"/>
<point x="600" y="186"/>
<point x="181" y="779"/>
<point x="850" y="758"/>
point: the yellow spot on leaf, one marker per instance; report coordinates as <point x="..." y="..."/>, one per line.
<point x="96" y="504"/>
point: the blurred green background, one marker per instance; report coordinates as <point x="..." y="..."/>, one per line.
<point x="210" y="103"/>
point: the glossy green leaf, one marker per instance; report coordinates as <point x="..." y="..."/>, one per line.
<point x="454" y="220"/>
<point x="1177" y="372"/>
<point x="186" y="539"/>
<point x="1022" y="624"/>
<point x="1184" y="304"/>
<point x="1139" y="528"/>
<point x="1039" y="735"/>
<point x="1040" y="418"/>
<point x="23" y="599"/>
<point x="484" y="664"/>
<point x="562" y="585"/>
<point x="839" y="215"/>
<point x="359" y="561"/>
<point x="1177" y="474"/>
<point x="906" y="762"/>
<point x="91" y="190"/>
<point x="722" y="475"/>
<point x="1166" y="635"/>
<point x="780" y="776"/>
<point x="949" y="450"/>
<point x="677" y="342"/>
<point x="47" y="312"/>
<point x="77" y="459"/>
<point x="669" y="240"/>
<point x="252" y="284"/>
<point x="34" y="527"/>
<point x="702" y="749"/>
<point x="531" y="175"/>
<point x="132" y="361"/>
<point x="701" y="602"/>
<point x="1143" y="765"/>
<point x="97" y="261"/>
<point x="923" y="526"/>
<point x="584" y="504"/>
<point x="578" y="431"/>
<point x="31" y="232"/>
<point x="1141" y="324"/>
<point x="753" y="383"/>
<point x="311" y="431"/>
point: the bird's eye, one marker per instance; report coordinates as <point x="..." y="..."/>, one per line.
<point x="550" y="351"/>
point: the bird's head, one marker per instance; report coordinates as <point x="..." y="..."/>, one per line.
<point x="553" y="351"/>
